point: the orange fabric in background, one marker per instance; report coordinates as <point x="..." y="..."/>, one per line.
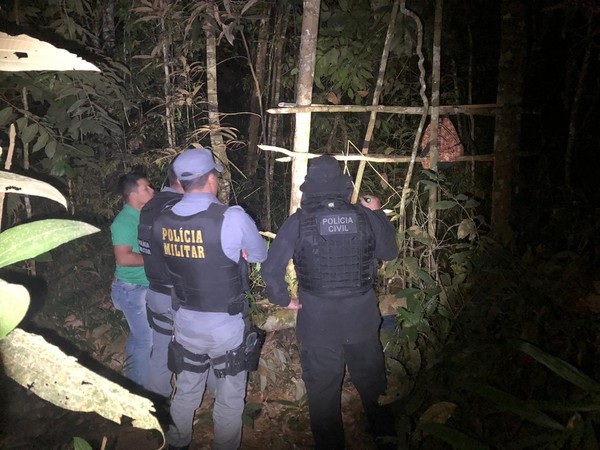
<point x="449" y="146"/>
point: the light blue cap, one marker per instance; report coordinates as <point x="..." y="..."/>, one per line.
<point x="194" y="163"/>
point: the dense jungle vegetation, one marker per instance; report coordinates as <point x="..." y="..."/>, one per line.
<point x="491" y="338"/>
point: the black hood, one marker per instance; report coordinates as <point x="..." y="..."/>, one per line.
<point x="324" y="177"/>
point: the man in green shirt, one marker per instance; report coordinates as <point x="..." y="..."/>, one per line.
<point x="130" y="284"/>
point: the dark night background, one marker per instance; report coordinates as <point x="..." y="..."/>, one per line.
<point x="507" y="359"/>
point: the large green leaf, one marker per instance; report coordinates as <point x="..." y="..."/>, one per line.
<point x="41" y="141"/>
<point x="420" y="235"/>
<point x="5" y="115"/>
<point x="81" y="444"/>
<point x="45" y="370"/>
<point x="569" y="406"/>
<point x="457" y="439"/>
<point x="18" y="184"/>
<point x="14" y="301"/>
<point x="29" y="133"/>
<point x="412" y="265"/>
<point x="558" y="366"/>
<point x="31" y="239"/>
<point x="508" y="402"/>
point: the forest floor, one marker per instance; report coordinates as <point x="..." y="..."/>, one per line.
<point x="276" y="415"/>
<point x="552" y="300"/>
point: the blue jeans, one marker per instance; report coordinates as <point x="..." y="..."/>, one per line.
<point x="131" y="300"/>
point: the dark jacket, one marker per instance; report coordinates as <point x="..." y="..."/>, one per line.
<point x="153" y="265"/>
<point x="323" y="320"/>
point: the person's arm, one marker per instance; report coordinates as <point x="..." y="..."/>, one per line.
<point x="124" y="237"/>
<point x="125" y="256"/>
<point x="386" y="247"/>
<point x="239" y="230"/>
<point x="274" y="268"/>
<point x="254" y="246"/>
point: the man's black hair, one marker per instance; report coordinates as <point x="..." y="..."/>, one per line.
<point x="128" y="183"/>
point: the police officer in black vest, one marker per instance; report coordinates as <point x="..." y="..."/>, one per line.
<point x="158" y="296"/>
<point x="204" y="243"/>
<point x="335" y="247"/>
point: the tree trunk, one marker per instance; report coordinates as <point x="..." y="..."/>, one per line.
<point x="214" y="122"/>
<point x="423" y="87"/>
<point x="306" y="72"/>
<point x="582" y="70"/>
<point x="30" y="263"/>
<point x="508" y="121"/>
<point x="435" y="117"/>
<point x="376" y="94"/>
<point x="108" y="26"/>
<point x="273" y="136"/>
<point x="259" y="70"/>
<point x="168" y="89"/>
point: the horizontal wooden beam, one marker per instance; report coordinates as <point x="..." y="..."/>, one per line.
<point x="369" y="157"/>
<point x="478" y="110"/>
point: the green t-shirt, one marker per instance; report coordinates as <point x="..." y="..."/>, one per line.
<point x="124" y="231"/>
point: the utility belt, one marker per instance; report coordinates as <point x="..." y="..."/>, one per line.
<point x="160" y="323"/>
<point x="243" y="357"/>
<point x="236" y="307"/>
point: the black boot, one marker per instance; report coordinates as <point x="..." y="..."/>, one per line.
<point x="381" y="426"/>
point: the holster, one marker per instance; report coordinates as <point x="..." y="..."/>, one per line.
<point x="176" y="359"/>
<point x="254" y="339"/>
<point x="244" y="357"/>
<point x="154" y="318"/>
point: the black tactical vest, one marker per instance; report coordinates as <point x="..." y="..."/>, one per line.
<point x="204" y="278"/>
<point x="335" y="253"/>
<point x="155" y="270"/>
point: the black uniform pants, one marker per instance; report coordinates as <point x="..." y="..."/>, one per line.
<point x="323" y="369"/>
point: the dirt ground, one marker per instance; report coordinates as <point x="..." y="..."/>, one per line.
<point x="276" y="415"/>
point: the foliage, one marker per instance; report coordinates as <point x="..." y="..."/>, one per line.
<point x="504" y="362"/>
<point x="82" y="312"/>
<point x="349" y="49"/>
<point x="64" y="112"/>
<point x="432" y="270"/>
<point x="52" y="375"/>
<point x="27" y="241"/>
<point x="29" y="359"/>
<point x="464" y="298"/>
<point x="81" y="444"/>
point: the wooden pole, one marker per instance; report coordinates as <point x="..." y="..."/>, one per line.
<point x="424" y="110"/>
<point x="12" y="134"/>
<point x="306" y="73"/>
<point x="375" y="158"/>
<point x="508" y="123"/>
<point x="489" y="109"/>
<point x="376" y="94"/>
<point x="435" y="116"/>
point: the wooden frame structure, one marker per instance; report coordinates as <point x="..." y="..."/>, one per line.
<point x="432" y="111"/>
